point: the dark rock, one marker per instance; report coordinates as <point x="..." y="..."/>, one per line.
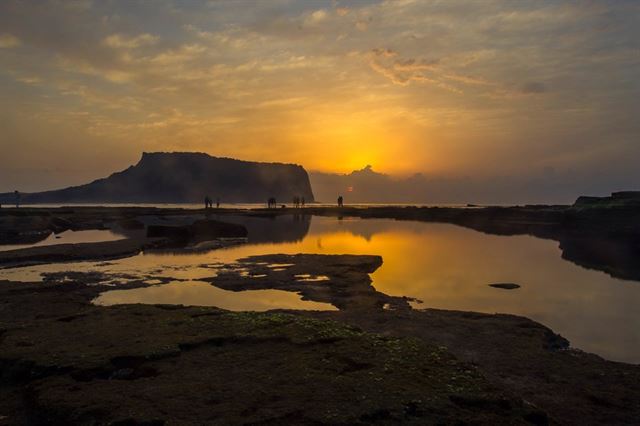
<point x="617" y="199"/>
<point x="505" y="286"/>
<point x="58" y="224"/>
<point x="130" y="224"/>
<point x="341" y="280"/>
<point x="202" y="230"/>
<point x="71" y="252"/>
<point x="135" y="363"/>
<point x="174" y="233"/>
<point x="22" y="229"/>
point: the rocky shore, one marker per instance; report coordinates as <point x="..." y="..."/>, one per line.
<point x="602" y="234"/>
<point x="375" y="360"/>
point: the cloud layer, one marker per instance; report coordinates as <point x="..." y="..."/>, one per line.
<point x="450" y="89"/>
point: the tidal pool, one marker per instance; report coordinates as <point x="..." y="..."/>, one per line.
<point x="445" y="266"/>
<point x="194" y="293"/>
<point x="70" y="237"/>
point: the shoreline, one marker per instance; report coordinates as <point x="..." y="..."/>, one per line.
<point x="587" y="236"/>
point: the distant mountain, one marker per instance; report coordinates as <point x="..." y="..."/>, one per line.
<point x="368" y="186"/>
<point x="184" y="177"/>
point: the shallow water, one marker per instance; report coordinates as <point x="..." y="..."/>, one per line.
<point x="194" y="292"/>
<point x="70" y="237"/>
<point x="443" y="265"/>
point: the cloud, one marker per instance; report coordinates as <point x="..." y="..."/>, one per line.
<point x="405" y="71"/>
<point x="401" y="71"/>
<point x="316" y="17"/>
<point x="362" y="25"/>
<point x="30" y="80"/>
<point x="8" y="40"/>
<point x="120" y="41"/>
<point x="533" y="87"/>
<point x="418" y="84"/>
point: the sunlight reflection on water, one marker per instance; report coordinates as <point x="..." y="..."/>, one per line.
<point x="445" y="266"/>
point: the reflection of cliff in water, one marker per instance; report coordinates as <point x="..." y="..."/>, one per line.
<point x="609" y="246"/>
<point x="595" y="245"/>
<point x="607" y="240"/>
<point x="272" y="228"/>
<point x="618" y="256"/>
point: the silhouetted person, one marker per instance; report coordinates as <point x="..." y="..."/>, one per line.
<point x="340" y="201"/>
<point x="207" y="201"/>
<point x="302" y="201"/>
<point x="17" y="198"/>
<point x="217" y="203"/>
<point x="271" y="203"/>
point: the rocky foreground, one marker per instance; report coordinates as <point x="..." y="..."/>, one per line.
<point x="135" y="364"/>
<point x="376" y="360"/>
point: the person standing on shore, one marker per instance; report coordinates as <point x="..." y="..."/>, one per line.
<point x="17" y="198"/>
<point x="340" y="201"/>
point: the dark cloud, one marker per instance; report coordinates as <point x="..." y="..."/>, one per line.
<point x="533" y="87"/>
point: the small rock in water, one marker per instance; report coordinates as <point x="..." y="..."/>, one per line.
<point x="505" y="286"/>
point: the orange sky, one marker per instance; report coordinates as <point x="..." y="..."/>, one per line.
<point x="444" y="88"/>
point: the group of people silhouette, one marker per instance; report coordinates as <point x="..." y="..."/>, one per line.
<point x="208" y="202"/>
<point x="298" y="202"/>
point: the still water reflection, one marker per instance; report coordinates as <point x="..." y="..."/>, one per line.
<point x="443" y="265"/>
<point x="69" y="237"/>
<point x="199" y="293"/>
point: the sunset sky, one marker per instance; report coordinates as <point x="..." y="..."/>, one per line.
<point x="481" y="89"/>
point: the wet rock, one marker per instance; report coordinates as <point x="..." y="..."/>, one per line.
<point x="72" y="252"/>
<point x="59" y="224"/>
<point x="130" y="224"/>
<point x="132" y="364"/>
<point x="341" y="280"/>
<point x="505" y="286"/>
<point x="174" y="233"/>
<point x="30" y="237"/>
<point x="204" y="230"/>
<point x="199" y="231"/>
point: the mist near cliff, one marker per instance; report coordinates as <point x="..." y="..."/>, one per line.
<point x="549" y="186"/>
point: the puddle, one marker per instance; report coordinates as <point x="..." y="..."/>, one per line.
<point x="193" y="293"/>
<point x="70" y="237"/>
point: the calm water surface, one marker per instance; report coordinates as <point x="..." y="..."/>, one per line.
<point x="443" y="265"/>
<point x="70" y="237"/>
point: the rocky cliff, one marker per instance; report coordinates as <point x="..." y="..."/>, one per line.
<point x="182" y="177"/>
